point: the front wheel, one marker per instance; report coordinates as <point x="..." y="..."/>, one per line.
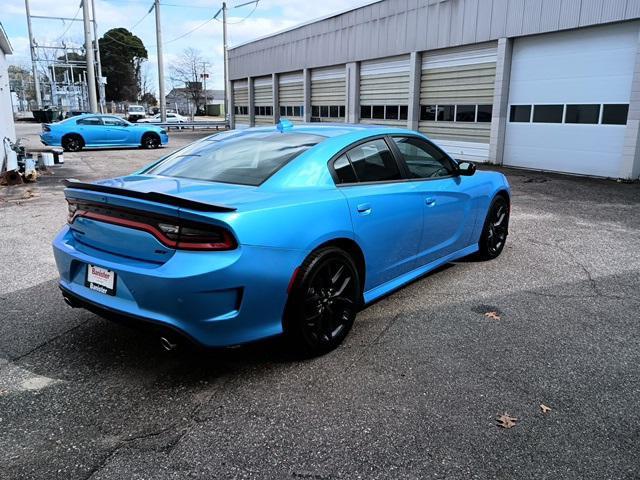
<point x="150" y="140"/>
<point x="496" y="229"/>
<point x="323" y="302"/>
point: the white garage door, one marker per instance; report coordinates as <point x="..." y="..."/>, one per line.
<point x="568" y="100"/>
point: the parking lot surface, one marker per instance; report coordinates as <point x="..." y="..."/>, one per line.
<point x="413" y="393"/>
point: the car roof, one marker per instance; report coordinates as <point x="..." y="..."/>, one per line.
<point x="331" y="130"/>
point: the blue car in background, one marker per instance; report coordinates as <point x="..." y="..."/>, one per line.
<point x="250" y="234"/>
<point x="93" y="130"/>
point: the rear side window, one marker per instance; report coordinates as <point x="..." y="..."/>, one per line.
<point x="89" y="121"/>
<point x="373" y="162"/>
<point x="244" y="159"/>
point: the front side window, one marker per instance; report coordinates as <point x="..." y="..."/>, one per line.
<point x="114" y="122"/>
<point x="89" y="121"/>
<point x="246" y="159"/>
<point x="422" y="159"/>
<point x="373" y="162"/>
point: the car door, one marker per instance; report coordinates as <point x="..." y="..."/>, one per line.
<point x="444" y="195"/>
<point x="116" y="130"/>
<point x="91" y="130"/>
<point x="386" y="214"/>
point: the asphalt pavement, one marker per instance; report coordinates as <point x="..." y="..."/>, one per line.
<point x="413" y="393"/>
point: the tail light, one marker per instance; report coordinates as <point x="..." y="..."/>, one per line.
<point x="171" y="232"/>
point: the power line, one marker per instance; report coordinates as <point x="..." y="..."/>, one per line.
<point x="255" y="6"/>
<point x="70" y="24"/>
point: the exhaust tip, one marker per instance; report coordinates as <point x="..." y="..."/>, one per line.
<point x="68" y="301"/>
<point x="167" y="344"/>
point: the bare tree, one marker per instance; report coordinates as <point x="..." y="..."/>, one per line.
<point x="186" y="71"/>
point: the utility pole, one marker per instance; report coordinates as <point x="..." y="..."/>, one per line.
<point x="163" y="105"/>
<point x="34" y="59"/>
<point x="97" y="46"/>
<point x="226" y="58"/>
<point x="88" y="48"/>
<point x="204" y="76"/>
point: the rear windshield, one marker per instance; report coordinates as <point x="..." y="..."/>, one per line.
<point x="241" y="158"/>
<point x="136" y="109"/>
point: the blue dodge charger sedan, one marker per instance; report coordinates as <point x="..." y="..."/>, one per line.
<point x="275" y="230"/>
<point x="91" y="130"/>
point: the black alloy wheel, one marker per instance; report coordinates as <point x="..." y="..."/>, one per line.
<point x="324" y="301"/>
<point x="72" y="143"/>
<point x="150" y="140"/>
<point x="496" y="229"/>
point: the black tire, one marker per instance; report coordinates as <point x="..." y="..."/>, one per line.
<point x="323" y="302"/>
<point x="495" y="230"/>
<point x="72" y="142"/>
<point x="150" y="140"/>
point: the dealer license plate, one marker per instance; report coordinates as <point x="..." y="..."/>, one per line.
<point x="101" y="280"/>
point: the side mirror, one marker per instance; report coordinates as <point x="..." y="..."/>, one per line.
<point x="466" y="168"/>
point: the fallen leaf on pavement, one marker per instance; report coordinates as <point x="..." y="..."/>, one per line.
<point x="506" y="421"/>
<point x="492" y="315"/>
<point x="544" y="408"/>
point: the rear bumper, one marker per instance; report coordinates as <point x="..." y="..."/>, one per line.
<point x="215" y="298"/>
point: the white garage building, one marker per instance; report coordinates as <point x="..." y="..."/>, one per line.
<point x="540" y="84"/>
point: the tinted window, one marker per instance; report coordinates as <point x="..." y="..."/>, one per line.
<point x="423" y="160"/>
<point x="342" y="110"/>
<point x="520" y="113"/>
<point x="283" y="111"/>
<point x="344" y="170"/>
<point x="615" y="114"/>
<point x="446" y="113"/>
<point x="484" y="113"/>
<point x="315" y="111"/>
<point x="324" y="111"/>
<point x="548" y="113"/>
<point x="246" y="159"/>
<point x="333" y="111"/>
<point x="89" y="121"/>
<point x="582" y="114"/>
<point x="297" y="111"/>
<point x="373" y="162"/>
<point x="428" y="113"/>
<point x="392" y="112"/>
<point x="466" y="113"/>
<point x="377" y="111"/>
<point x="404" y="110"/>
<point x="114" y="121"/>
<point x="365" y="111"/>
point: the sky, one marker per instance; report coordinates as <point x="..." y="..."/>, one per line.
<point x="178" y="17"/>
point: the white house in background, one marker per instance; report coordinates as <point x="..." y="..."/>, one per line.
<point x="180" y="100"/>
<point x="7" y="127"/>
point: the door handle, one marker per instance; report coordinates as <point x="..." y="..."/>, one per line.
<point x="364" y="208"/>
<point x="430" y="201"/>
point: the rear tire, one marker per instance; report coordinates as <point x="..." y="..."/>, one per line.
<point x="72" y="142"/>
<point x="496" y="229"/>
<point x="150" y="140"/>
<point x="323" y="302"/>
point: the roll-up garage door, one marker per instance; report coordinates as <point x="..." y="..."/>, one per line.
<point x="456" y="97"/>
<point x="241" y="101"/>
<point x="263" y="100"/>
<point x="328" y="94"/>
<point x="291" y="96"/>
<point x="384" y="91"/>
<point x="569" y="99"/>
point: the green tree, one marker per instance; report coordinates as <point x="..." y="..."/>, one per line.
<point x="122" y="55"/>
<point x="148" y="99"/>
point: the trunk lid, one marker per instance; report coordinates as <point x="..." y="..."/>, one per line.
<point x="158" y="198"/>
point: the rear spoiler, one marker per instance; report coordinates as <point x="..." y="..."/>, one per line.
<point x="150" y="196"/>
